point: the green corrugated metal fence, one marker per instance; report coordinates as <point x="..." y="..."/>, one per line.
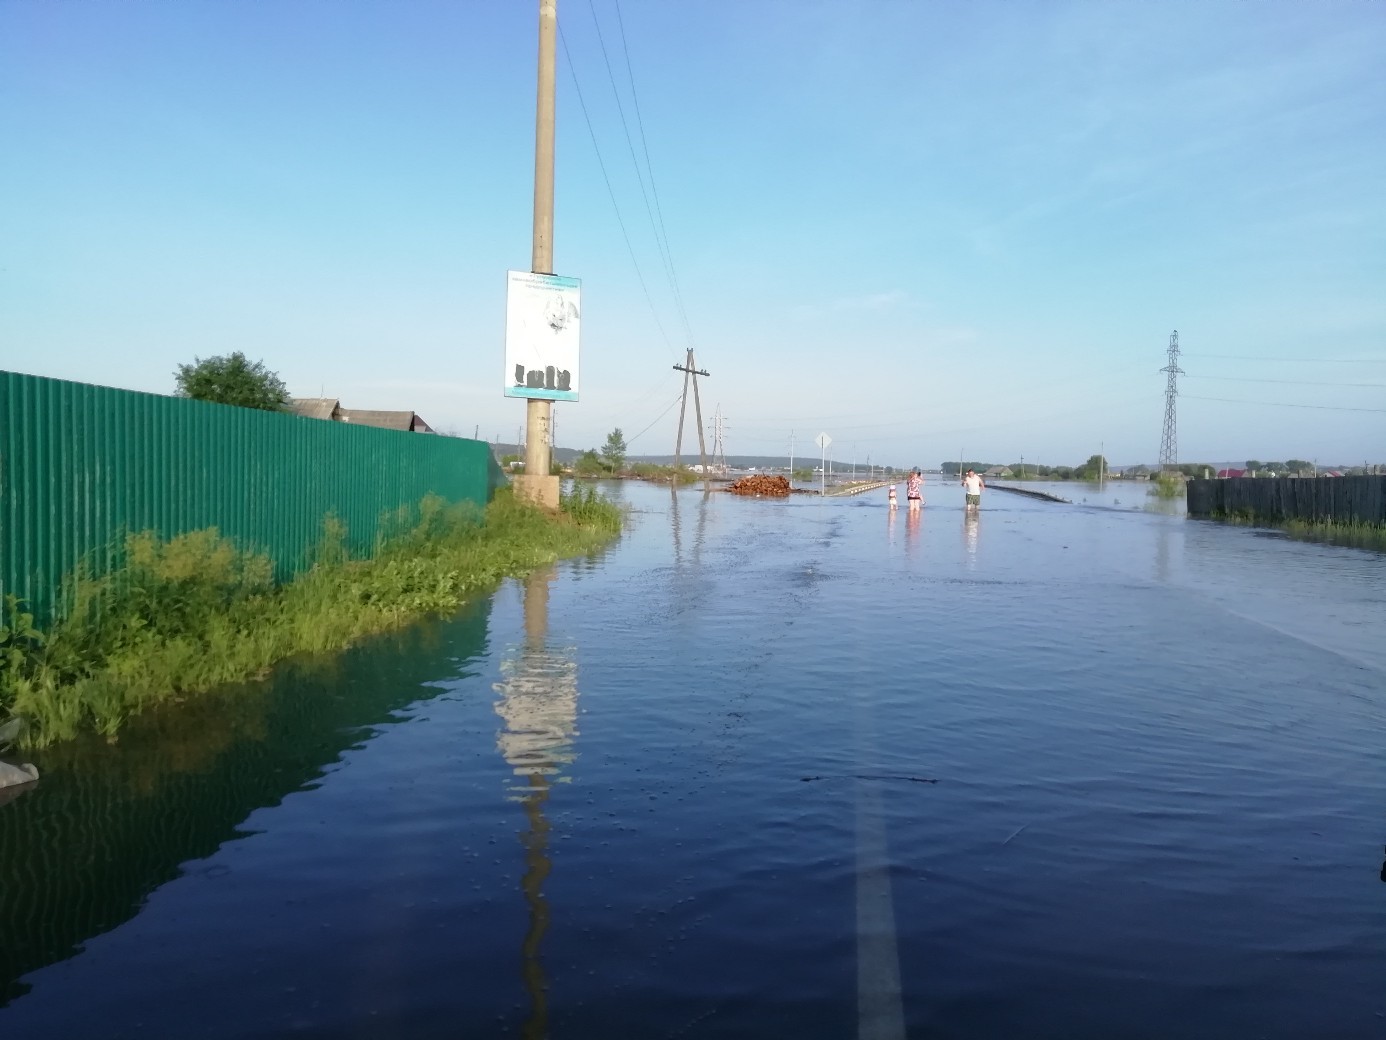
<point x="81" y="465"/>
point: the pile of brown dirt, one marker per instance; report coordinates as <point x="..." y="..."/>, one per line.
<point x="776" y="487"/>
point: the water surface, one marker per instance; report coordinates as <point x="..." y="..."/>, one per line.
<point x="764" y="768"/>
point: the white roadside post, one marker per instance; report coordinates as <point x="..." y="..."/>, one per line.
<point x="823" y="440"/>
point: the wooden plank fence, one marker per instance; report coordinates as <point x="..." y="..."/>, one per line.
<point x="1337" y="500"/>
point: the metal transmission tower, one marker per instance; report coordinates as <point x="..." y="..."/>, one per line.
<point x="1169" y="440"/>
<point x="719" y="446"/>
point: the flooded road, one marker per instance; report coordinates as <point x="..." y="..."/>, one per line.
<point x="764" y="768"/>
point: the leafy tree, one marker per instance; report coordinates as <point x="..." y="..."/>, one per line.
<point x="1299" y="466"/>
<point x="232" y="379"/>
<point x="589" y="464"/>
<point x="1252" y="464"/>
<point x="1095" y="467"/>
<point x="614" y="450"/>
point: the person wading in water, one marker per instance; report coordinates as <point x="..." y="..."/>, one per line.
<point x="972" y="487"/>
<point x="914" y="489"/>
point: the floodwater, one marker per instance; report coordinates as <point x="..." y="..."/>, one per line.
<point x="764" y="768"/>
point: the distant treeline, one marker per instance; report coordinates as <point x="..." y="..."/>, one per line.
<point x="1096" y="467"/>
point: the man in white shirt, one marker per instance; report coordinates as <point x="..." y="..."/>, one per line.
<point x="972" y="485"/>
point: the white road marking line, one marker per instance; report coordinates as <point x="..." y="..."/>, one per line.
<point x="880" y="1007"/>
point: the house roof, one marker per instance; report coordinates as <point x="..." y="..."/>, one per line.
<point x="330" y="408"/>
<point x="409" y="421"/>
<point x="314" y="407"/>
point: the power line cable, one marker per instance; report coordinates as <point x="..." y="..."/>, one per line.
<point x="1285" y="404"/>
<point x="572" y="71"/>
<point x="661" y="415"/>
<point x="1298" y="361"/>
<point x="940" y="431"/>
<point x="1292" y="382"/>
<point x="660" y="243"/>
<point x="654" y="188"/>
<point x="627" y="404"/>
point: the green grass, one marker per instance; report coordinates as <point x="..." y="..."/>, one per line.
<point x="1355" y="535"/>
<point x="186" y="615"/>
<point x="650" y="471"/>
<point x="1166" y="485"/>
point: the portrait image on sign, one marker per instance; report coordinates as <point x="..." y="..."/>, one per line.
<point x="543" y="313"/>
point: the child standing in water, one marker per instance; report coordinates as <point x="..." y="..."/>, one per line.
<point x="894" y="502"/>
<point x="914" y="489"/>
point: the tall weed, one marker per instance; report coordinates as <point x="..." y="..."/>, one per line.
<point x="195" y="612"/>
<point x="1166" y="485"/>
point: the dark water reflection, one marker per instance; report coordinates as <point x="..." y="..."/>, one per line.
<point x="538" y="707"/>
<point x="582" y="810"/>
<point x="116" y="821"/>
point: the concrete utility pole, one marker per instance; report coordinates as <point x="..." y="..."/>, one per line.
<point x="690" y="370"/>
<point x="537" y="485"/>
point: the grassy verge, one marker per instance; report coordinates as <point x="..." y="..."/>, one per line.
<point x="664" y="474"/>
<point x="183" y="616"/>
<point x="1354" y="535"/>
<point x="1357" y="535"/>
<point x="1166" y="485"/>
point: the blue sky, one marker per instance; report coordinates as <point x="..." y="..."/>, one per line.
<point x="920" y="227"/>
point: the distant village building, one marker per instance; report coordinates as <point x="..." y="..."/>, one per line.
<point x="331" y="409"/>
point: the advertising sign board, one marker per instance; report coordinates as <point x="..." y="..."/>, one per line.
<point x="543" y="313"/>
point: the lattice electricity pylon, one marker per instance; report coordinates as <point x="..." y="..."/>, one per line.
<point x="1169" y="440"/>
<point x="719" y="445"/>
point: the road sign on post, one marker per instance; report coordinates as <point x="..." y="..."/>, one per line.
<point x="823" y="440"/>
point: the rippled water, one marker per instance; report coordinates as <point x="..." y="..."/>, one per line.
<point x="764" y="768"/>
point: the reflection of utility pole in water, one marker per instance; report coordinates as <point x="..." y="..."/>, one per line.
<point x="674" y="522"/>
<point x="700" y="528"/>
<point x="538" y="711"/>
<point x="537" y="867"/>
<point x="1162" y="552"/>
